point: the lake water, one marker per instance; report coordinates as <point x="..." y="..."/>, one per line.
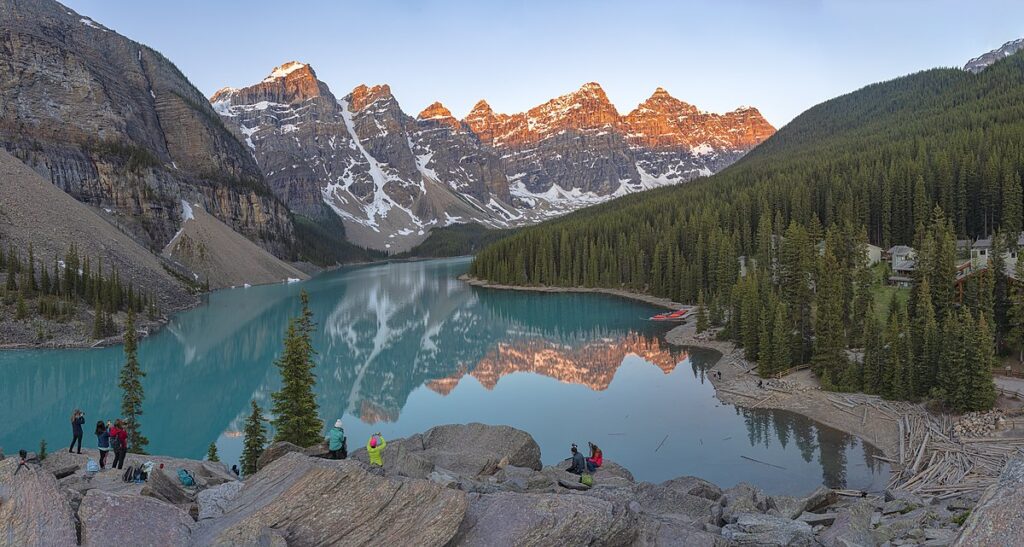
<point x="403" y="347"/>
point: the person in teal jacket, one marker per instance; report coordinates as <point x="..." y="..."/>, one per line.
<point x="374" y="447"/>
<point x="336" y="442"/>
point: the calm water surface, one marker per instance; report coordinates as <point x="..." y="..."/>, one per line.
<point x="403" y="347"/>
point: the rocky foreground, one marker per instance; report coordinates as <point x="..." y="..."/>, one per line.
<point x="463" y="485"/>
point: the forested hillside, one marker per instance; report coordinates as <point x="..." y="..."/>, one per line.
<point x="921" y="160"/>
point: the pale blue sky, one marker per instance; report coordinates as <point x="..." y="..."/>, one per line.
<point x="781" y="57"/>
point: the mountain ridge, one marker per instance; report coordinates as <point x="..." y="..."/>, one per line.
<point x="392" y="177"/>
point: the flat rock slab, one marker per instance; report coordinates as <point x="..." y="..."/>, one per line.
<point x="512" y="518"/>
<point x="312" y="501"/>
<point x="33" y="511"/>
<point x="998" y="518"/>
<point x="757" y="530"/>
<point x="115" y="519"/>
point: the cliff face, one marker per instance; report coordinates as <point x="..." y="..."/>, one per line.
<point x="392" y="177"/>
<point x="116" y="125"/>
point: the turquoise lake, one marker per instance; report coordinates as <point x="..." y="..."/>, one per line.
<point x="406" y="346"/>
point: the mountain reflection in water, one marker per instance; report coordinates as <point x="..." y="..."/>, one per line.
<point x="403" y="347"/>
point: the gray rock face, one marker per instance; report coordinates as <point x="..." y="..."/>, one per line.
<point x="164" y="488"/>
<point x="996" y="519"/>
<point x="33" y="510"/>
<point x="763" y="530"/>
<point x="115" y="519"/>
<point x="744" y="498"/>
<point x="468" y="450"/>
<point x="510" y="518"/>
<point x="116" y="125"/>
<point x="852" y="527"/>
<point x="311" y="501"/>
<point x="982" y="62"/>
<point x="213" y="501"/>
<point x="274" y="451"/>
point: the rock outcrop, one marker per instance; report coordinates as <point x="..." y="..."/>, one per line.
<point x="996" y="520"/>
<point x="311" y="501"/>
<point x="982" y="62"/>
<point x="118" y="519"/>
<point x="471" y="451"/>
<point x="440" y="488"/>
<point x="33" y="510"/>
<point x="117" y="126"/>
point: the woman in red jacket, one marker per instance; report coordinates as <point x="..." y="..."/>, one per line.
<point x="596" y="458"/>
<point x="119" y="442"/>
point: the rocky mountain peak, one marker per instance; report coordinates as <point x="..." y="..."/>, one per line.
<point x="292" y="82"/>
<point x="661" y="103"/>
<point x="982" y="62"/>
<point x="434" y="111"/>
<point x="286" y="70"/>
<point x="363" y="96"/>
<point x="438" y="113"/>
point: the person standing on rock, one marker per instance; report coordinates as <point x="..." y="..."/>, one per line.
<point x="336" y="441"/>
<point x="374" y="447"/>
<point x="119" y="442"/>
<point x="77" y="421"/>
<point x="579" y="463"/>
<point x="102" y="443"/>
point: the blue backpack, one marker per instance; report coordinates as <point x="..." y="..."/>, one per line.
<point x="186" y="478"/>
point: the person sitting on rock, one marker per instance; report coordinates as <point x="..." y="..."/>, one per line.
<point x="579" y="464"/>
<point x="374" y="447"/>
<point x="596" y="458"/>
<point x="336" y="442"/>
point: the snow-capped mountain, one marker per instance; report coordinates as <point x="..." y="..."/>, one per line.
<point x="392" y="177"/>
<point x="982" y="62"/>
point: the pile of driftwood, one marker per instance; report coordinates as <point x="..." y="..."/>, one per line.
<point x="936" y="462"/>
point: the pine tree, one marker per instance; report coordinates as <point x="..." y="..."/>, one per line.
<point x="131" y="384"/>
<point x="255" y="440"/>
<point x="981" y="391"/>
<point x="924" y="336"/>
<point x="211" y="453"/>
<point x="702" y="314"/>
<point x="829" y="329"/>
<point x="295" y="410"/>
<point x="780" y="354"/>
<point x="1015" y="322"/>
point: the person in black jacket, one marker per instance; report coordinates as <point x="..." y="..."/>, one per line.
<point x="77" y="421"/>
<point x="579" y="463"/>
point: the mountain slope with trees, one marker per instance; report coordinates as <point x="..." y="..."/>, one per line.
<point x="920" y="160"/>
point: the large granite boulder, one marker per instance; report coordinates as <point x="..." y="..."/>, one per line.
<point x="116" y="519"/>
<point x="744" y="498"/>
<point x="792" y="507"/>
<point x="164" y="488"/>
<point x="671" y="502"/>
<point x="663" y="533"/>
<point x="33" y="511"/>
<point x="466" y="450"/>
<point x="511" y="518"/>
<point x="275" y="451"/>
<point x="998" y="519"/>
<point x="312" y="501"/>
<point x="764" y="530"/>
<point x="213" y="501"/>
<point x="852" y="527"/>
